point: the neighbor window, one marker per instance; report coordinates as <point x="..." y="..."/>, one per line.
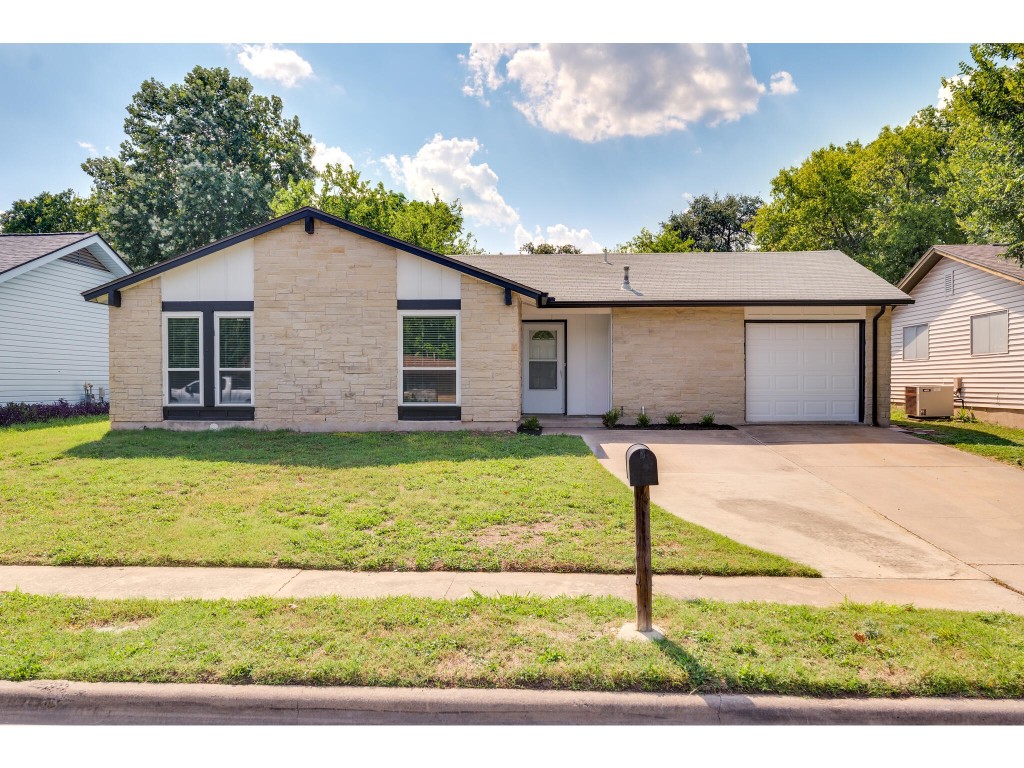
<point x="182" y="358"/>
<point x="989" y="333"/>
<point x="915" y="342"/>
<point x="234" y="358"/>
<point x="430" y="370"/>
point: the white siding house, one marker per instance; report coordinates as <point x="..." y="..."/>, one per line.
<point x="51" y="341"/>
<point x="968" y="324"/>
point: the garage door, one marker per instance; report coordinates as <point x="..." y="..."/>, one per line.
<point x="803" y="371"/>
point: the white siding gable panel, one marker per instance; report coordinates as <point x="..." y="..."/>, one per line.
<point x="223" y="276"/>
<point x="422" y="279"/>
<point x="946" y="299"/>
<point x="52" y="341"/>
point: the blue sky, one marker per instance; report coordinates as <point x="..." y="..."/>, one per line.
<point x="582" y="143"/>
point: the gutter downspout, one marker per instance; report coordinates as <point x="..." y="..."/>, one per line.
<point x="874" y="365"/>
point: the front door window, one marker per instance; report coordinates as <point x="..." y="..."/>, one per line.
<point x="543" y="360"/>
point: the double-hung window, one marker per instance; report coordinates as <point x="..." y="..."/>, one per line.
<point x="429" y="358"/>
<point x="233" y="342"/>
<point x="183" y="359"/>
<point x="990" y="333"/>
<point x="915" y="342"/>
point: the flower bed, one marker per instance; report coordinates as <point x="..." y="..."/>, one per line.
<point x="23" y="413"/>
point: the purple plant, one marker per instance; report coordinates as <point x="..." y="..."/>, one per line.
<point x="22" y="413"/>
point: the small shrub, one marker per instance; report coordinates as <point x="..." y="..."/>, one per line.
<point x="611" y="418"/>
<point x="643" y="420"/>
<point x="531" y="423"/>
<point x="673" y="419"/>
<point x="23" y="413"/>
<point x="708" y="419"/>
<point x="965" y="416"/>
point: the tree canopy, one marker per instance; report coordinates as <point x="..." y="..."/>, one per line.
<point x="665" y="241"/>
<point x="202" y="159"/>
<point x="51" y="212"/>
<point x="986" y="169"/>
<point x="548" y="248"/>
<point x="716" y="223"/>
<point x="883" y="204"/>
<point x="436" y="225"/>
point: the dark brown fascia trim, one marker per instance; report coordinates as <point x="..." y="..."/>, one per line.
<point x="304" y="214"/>
<point x="759" y="303"/>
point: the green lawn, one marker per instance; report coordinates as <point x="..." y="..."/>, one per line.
<point x="564" y="643"/>
<point x="1005" y="444"/>
<point x="78" y="493"/>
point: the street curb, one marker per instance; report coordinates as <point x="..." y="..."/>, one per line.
<point x="59" y="702"/>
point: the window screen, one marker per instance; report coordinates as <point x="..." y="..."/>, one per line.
<point x="234" y="349"/>
<point x="183" y="354"/>
<point x="543" y="360"/>
<point x="429" y="364"/>
<point x="915" y="342"/>
<point x="990" y="334"/>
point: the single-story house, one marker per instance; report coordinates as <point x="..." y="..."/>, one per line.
<point x="311" y="322"/>
<point x="965" y="331"/>
<point x="51" y="343"/>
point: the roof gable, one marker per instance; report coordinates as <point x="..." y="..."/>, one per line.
<point x="20" y="253"/>
<point x="309" y="216"/>
<point x="987" y="258"/>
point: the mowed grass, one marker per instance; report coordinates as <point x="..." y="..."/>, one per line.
<point x="80" y="494"/>
<point x="514" y="642"/>
<point x="1004" y="444"/>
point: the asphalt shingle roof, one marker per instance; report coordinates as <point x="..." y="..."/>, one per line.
<point x="987" y="256"/>
<point x="16" y="250"/>
<point x="750" y="276"/>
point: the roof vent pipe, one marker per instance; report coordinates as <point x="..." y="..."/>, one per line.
<point x="625" y="280"/>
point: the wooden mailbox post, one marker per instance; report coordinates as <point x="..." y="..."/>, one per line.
<point x="642" y="473"/>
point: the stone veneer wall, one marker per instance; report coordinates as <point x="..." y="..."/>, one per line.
<point x="884" y="366"/>
<point x="136" y="357"/>
<point x="679" y="360"/>
<point x="325" y="330"/>
<point x="491" y="373"/>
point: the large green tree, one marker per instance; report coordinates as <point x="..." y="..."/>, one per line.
<point x="434" y="224"/>
<point x="664" y="241"/>
<point x="986" y="170"/>
<point x="202" y="159"/>
<point x="716" y="223"/>
<point x="52" y="212"/>
<point x="883" y="204"/>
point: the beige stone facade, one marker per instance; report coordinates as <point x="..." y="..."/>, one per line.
<point x="491" y="380"/>
<point x="679" y="360"/>
<point x="136" y="352"/>
<point x="884" y="366"/>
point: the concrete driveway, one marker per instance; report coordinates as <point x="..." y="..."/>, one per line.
<point x="852" y="501"/>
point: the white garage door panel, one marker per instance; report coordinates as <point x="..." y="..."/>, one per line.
<point x="803" y="371"/>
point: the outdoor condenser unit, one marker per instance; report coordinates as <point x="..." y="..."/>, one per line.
<point x="929" y="402"/>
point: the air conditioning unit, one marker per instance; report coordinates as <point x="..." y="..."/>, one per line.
<point x="929" y="402"/>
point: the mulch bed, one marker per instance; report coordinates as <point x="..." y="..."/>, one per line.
<point x="694" y="427"/>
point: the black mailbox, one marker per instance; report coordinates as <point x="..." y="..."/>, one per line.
<point x="641" y="465"/>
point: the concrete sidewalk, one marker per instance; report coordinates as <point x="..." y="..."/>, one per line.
<point x="58" y="702"/>
<point x="234" y="583"/>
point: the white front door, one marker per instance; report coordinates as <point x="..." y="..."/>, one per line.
<point x="543" y="368"/>
<point x="803" y="372"/>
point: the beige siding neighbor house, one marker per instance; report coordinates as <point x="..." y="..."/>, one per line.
<point x="966" y="328"/>
<point x="310" y="322"/>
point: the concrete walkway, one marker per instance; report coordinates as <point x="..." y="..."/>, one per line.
<point x="852" y="501"/>
<point x="237" y="583"/>
<point x="59" y="702"/>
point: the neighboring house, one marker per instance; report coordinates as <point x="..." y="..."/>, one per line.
<point x="968" y="324"/>
<point x="51" y="343"/>
<point x="311" y="322"/>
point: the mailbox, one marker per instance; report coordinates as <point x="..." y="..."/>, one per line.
<point x="641" y="466"/>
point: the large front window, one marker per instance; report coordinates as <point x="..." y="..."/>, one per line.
<point x="234" y="359"/>
<point x="430" y="366"/>
<point x="183" y="359"/>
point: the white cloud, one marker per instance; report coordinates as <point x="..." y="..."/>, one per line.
<point x="322" y="155"/>
<point x="446" y="166"/>
<point x="89" y="147"/>
<point x="782" y="84"/>
<point x="269" y="62"/>
<point x="559" y="234"/>
<point x="945" y="94"/>
<point x="596" y="92"/>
